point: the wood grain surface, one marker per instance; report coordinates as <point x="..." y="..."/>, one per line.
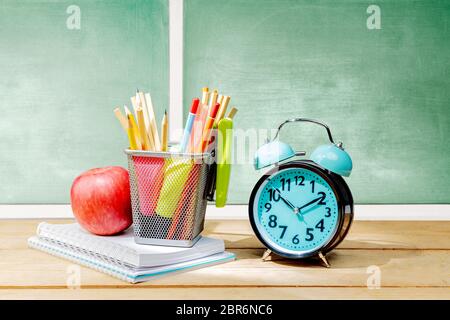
<point x="413" y="260"/>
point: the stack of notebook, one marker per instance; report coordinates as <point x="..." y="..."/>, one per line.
<point x="121" y="257"/>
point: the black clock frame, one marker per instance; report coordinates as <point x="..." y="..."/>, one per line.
<point x="343" y="196"/>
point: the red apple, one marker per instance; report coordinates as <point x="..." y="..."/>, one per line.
<point x="100" y="200"/>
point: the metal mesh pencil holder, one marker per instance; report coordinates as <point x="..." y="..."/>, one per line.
<point x="168" y="196"/>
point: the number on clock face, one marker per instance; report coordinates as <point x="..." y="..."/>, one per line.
<point x="296" y="210"/>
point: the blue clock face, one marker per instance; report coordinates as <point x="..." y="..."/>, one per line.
<point x="296" y="211"/>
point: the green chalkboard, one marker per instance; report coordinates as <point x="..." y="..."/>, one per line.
<point x="63" y="70"/>
<point x="379" y="76"/>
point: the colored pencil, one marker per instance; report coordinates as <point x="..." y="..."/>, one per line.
<point x="213" y="100"/>
<point x="223" y="109"/>
<point x="220" y="98"/>
<point x="199" y="121"/>
<point x="232" y="113"/>
<point x="189" y="124"/>
<point x="206" y="135"/>
<point x="205" y="95"/>
<point x="164" y="132"/>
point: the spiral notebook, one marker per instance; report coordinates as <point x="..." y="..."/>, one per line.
<point x="121" y="257"/>
<point x="122" y="248"/>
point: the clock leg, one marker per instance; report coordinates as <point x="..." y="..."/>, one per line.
<point x="324" y="260"/>
<point x="266" y="255"/>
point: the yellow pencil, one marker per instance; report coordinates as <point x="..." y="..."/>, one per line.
<point x="164" y="132"/>
<point x="140" y="97"/>
<point x="130" y="132"/>
<point x="147" y="144"/>
<point x="134" y="103"/>
<point x="134" y="128"/>
<point x="152" y="119"/>
<point x="137" y="102"/>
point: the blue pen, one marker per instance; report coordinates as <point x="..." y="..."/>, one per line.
<point x="189" y="124"/>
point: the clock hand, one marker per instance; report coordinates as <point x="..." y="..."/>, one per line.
<point x="309" y="210"/>
<point x="311" y="202"/>
<point x="286" y="201"/>
<point x="301" y="218"/>
<point x="294" y="208"/>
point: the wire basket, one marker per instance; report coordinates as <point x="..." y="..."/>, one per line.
<point x="168" y="196"/>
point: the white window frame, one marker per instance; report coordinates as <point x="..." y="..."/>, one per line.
<point x="176" y="30"/>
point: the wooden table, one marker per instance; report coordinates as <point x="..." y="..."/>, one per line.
<point x="413" y="260"/>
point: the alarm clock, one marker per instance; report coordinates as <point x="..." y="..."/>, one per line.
<point x="301" y="208"/>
